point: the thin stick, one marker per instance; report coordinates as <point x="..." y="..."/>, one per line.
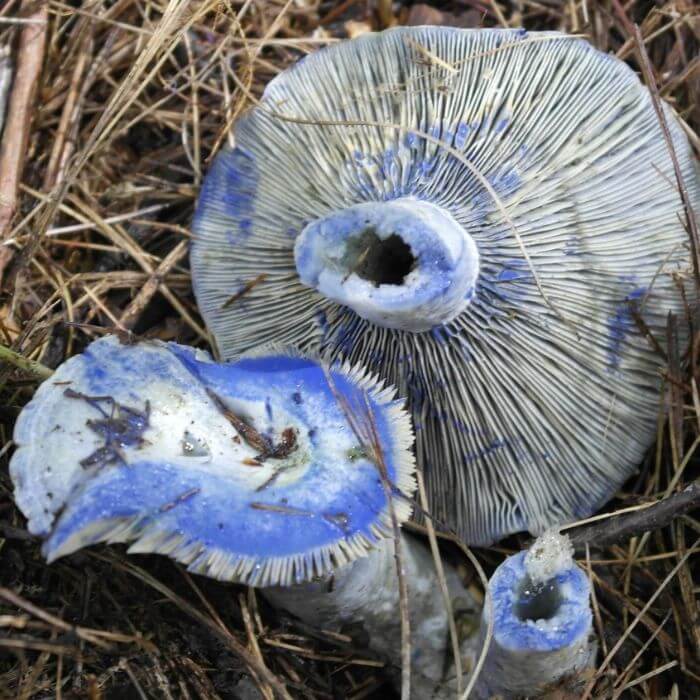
<point x="635" y="622"/>
<point x="373" y="445"/>
<point x="488" y="606"/>
<point x="439" y="569"/>
<point x="690" y="221"/>
<point x="401" y="574"/>
<point x="30" y="58"/>
<point x="650" y="517"/>
<point x="138" y="304"/>
<point x="31" y="366"/>
<point x="76" y="83"/>
<point x="623" y="676"/>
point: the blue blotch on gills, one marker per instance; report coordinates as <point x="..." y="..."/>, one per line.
<point x="230" y="189"/>
<point x="620" y="325"/>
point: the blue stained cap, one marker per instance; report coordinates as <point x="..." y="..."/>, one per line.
<point x="249" y="471"/>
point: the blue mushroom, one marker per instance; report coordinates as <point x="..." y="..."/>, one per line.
<point x="483" y="218"/>
<point x="248" y="471"/>
<point x="282" y="473"/>
<point x="275" y="471"/>
<point x="540" y="605"/>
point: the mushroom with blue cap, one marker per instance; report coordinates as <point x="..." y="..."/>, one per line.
<point x="257" y="471"/>
<point x="262" y="471"/>
<point x="487" y="220"/>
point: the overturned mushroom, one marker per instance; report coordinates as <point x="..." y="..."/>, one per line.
<point x="483" y="218"/>
<point x="257" y="471"/>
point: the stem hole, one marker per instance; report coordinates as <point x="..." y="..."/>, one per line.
<point x="379" y="260"/>
<point x="537" y="601"/>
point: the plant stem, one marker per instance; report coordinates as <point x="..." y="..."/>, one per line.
<point x="25" y="364"/>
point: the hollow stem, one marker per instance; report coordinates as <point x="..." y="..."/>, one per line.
<point x="362" y="599"/>
<point x="541" y="622"/>
<point x="404" y="264"/>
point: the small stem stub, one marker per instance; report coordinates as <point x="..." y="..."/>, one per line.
<point x="541" y="621"/>
<point x="404" y="264"/>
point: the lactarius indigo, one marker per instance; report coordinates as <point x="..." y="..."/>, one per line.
<point x="541" y="622"/>
<point x="251" y="471"/>
<point x="480" y="217"/>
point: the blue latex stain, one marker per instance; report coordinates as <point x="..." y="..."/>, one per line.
<point x="344" y="338"/>
<point x="509" y="275"/>
<point x="416" y="388"/>
<point x="572" y="246"/>
<point x="462" y="135"/>
<point x="322" y="320"/>
<point x="501" y="125"/>
<point x="376" y="356"/>
<point x="440" y="334"/>
<point x="620" y="325"/>
<point x="460" y="425"/>
<point x="230" y="189"/>
<point x="505" y="182"/>
<point x="193" y="501"/>
<point x="514" y="270"/>
<point x="493" y="446"/>
<point x="427" y="166"/>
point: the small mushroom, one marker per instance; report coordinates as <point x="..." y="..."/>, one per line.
<point x="483" y="218"/>
<point x="257" y="471"/>
<point x="541" y="623"/>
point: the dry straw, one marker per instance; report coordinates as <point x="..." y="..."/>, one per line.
<point x="133" y="98"/>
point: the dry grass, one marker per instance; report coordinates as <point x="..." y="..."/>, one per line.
<point x="133" y="98"/>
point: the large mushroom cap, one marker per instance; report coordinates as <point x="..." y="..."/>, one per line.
<point x="534" y="394"/>
<point x="152" y="444"/>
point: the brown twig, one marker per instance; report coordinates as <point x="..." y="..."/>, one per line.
<point x="133" y="312"/>
<point x="653" y="517"/>
<point x="30" y="58"/>
<point x="244" y="290"/>
<point x="689" y="215"/>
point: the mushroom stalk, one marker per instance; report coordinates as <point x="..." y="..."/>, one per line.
<point x="405" y="264"/>
<point x="541" y="622"/>
<point x="364" y="595"/>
